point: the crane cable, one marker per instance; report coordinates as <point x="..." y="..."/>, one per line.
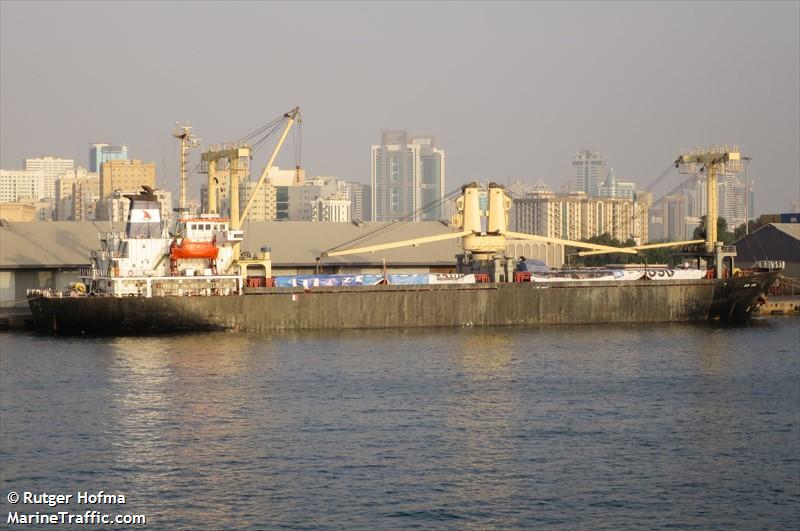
<point x="394" y="224"/>
<point x="263" y="128"/>
<point x="648" y="189"/>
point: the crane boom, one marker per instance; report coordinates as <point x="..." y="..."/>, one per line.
<point x="581" y="245"/>
<point x="643" y="247"/>
<point x="395" y="245"/>
<point x="292" y="116"/>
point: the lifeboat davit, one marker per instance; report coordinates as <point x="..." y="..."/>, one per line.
<point x="189" y="249"/>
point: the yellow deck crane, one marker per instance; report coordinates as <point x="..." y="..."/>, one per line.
<point x="715" y="161"/>
<point x="231" y="160"/>
<point x="484" y="251"/>
<point x="233" y="156"/>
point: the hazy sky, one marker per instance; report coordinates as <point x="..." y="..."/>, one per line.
<point x="509" y="90"/>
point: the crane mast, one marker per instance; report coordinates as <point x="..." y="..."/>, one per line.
<point x="717" y="160"/>
<point x="183" y="132"/>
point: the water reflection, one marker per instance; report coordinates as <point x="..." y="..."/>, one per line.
<point x="571" y="427"/>
<point x="481" y="417"/>
<point x="180" y="406"/>
<point x="485" y="354"/>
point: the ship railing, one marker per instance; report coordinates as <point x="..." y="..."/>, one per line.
<point x="770" y="265"/>
<point x="51" y="293"/>
<point x="113" y="235"/>
<point x="196" y="286"/>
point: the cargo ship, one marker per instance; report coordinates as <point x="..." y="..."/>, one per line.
<point x="193" y="277"/>
<point x="146" y="280"/>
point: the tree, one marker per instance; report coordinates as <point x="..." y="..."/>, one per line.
<point x="600" y="260"/>
<point x="722" y="231"/>
<point x="741" y="232"/>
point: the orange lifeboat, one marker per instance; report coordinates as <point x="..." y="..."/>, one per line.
<point x="189" y="249"/>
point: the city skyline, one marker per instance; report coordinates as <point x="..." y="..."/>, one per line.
<point x="498" y="84"/>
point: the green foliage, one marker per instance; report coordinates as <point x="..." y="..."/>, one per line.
<point x="656" y="256"/>
<point x="647" y="256"/>
<point x="723" y="234"/>
<point x="611" y="258"/>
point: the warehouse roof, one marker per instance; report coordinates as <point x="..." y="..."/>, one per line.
<point x="774" y="241"/>
<point x="49" y="244"/>
<point x="792" y="229"/>
<point x="301" y="242"/>
<point x="68" y="244"/>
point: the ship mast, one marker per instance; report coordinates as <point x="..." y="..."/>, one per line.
<point x="183" y="132"/>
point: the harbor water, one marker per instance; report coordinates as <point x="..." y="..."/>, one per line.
<point x="686" y="426"/>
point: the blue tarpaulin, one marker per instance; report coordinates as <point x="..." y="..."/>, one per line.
<point x="308" y="281"/>
<point x="403" y="279"/>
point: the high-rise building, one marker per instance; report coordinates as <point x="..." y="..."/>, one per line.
<point x="335" y="208"/>
<point x="271" y="203"/>
<point x="674" y="212"/>
<point x="613" y="187"/>
<point x="50" y="165"/>
<point x="65" y="204"/>
<point x="734" y="199"/>
<point x="303" y="205"/>
<point x="534" y="213"/>
<point x="100" y="153"/>
<point x="698" y="199"/>
<point x="655" y="223"/>
<point x="589" y="168"/>
<point x="288" y="196"/>
<point x="406" y="177"/>
<point x="63" y="198"/>
<point x="16" y="185"/>
<point x="734" y="196"/>
<point x="360" y="196"/>
<point x="430" y="187"/>
<point x="263" y="208"/>
<point x="50" y="168"/>
<point x="85" y="193"/>
<point x="127" y="176"/>
<point x="575" y="216"/>
<point x="36" y="182"/>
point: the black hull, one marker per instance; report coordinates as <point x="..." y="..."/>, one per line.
<point x="269" y="309"/>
